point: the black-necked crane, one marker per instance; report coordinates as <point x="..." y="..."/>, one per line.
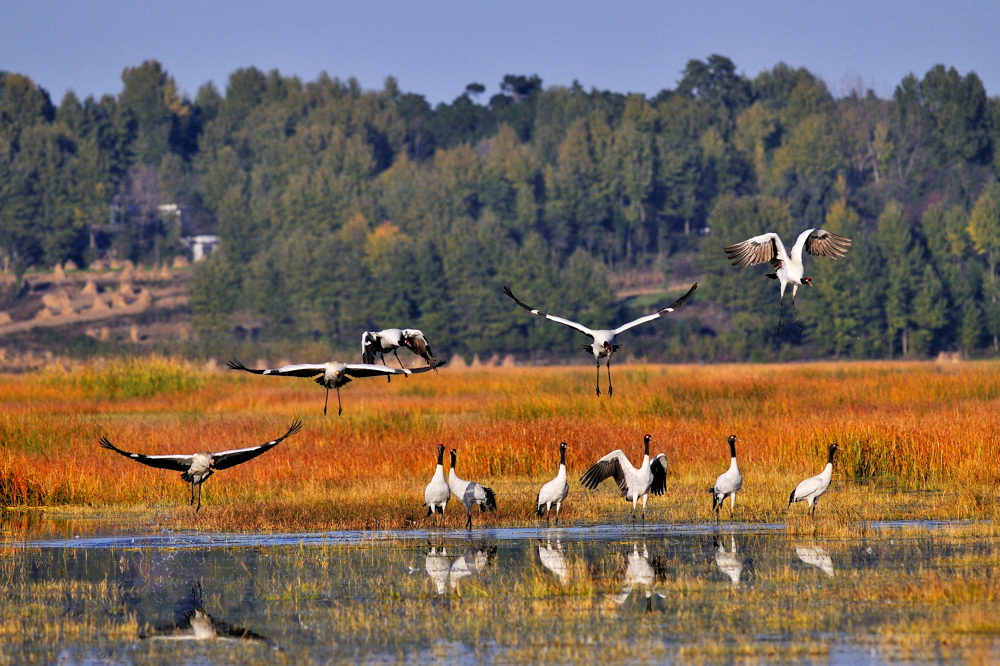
<point x="332" y="375"/>
<point x="633" y="483"/>
<point x="788" y="268"/>
<point x="390" y="340"/>
<point x="812" y="489"/>
<point x="437" y="493"/>
<point x="602" y="344"/>
<point x="554" y="491"/>
<point x="728" y="483"/>
<point x="195" y="468"/>
<point x="470" y="493"/>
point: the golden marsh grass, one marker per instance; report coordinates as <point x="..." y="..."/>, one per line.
<point x="919" y="441"/>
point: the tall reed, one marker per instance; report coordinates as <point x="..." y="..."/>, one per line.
<point x="918" y="439"/>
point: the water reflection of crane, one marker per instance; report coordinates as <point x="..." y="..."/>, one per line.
<point x="445" y="572"/>
<point x="553" y="559"/>
<point x="470" y="563"/>
<point x="639" y="572"/>
<point x="817" y="556"/>
<point x="193" y="623"/>
<point x="438" y="566"/>
<point x="729" y="560"/>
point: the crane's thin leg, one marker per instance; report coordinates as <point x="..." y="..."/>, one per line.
<point x="468" y="520"/>
<point x="191" y="503"/>
<point x="397" y="359"/>
<point x="611" y="389"/>
<point x="327" y="400"/>
<point x="558" y="504"/>
<point x="795" y="313"/>
<point x="598" y="378"/>
<point x="340" y="406"/>
<point x="781" y="307"/>
<point x="199" y="499"/>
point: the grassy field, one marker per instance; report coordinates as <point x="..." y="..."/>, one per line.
<point x="919" y="440"/>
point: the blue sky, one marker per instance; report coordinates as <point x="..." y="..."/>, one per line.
<point x="435" y="48"/>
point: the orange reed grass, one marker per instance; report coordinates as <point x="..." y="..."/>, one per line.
<point x="919" y="439"/>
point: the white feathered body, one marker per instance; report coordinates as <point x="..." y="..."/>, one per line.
<point x="812" y="488"/>
<point x="437" y="493"/>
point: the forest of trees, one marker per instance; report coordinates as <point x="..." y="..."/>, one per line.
<point x="341" y="209"/>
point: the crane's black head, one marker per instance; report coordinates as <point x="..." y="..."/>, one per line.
<point x="833" y="449"/>
<point x="732" y="439"/>
<point x="562" y="446"/>
<point x="807" y="282"/>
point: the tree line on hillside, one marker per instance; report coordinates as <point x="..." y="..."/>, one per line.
<point x="341" y="209"/>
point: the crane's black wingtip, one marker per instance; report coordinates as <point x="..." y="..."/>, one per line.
<point x="234" y="364"/>
<point x="507" y="292"/>
<point x="295" y="427"/>
<point x="106" y="443"/>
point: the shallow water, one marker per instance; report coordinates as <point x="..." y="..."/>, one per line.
<point x="654" y="593"/>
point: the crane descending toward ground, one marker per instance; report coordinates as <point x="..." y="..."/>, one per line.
<point x="602" y="340"/>
<point x="391" y="339"/>
<point x="197" y="467"/>
<point x="333" y="375"/>
<point x="788" y="269"/>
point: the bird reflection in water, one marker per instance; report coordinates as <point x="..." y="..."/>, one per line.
<point x="729" y="561"/>
<point x="553" y="559"/>
<point x="639" y="572"/>
<point x="445" y="572"/>
<point x="193" y="623"/>
<point x="816" y="556"/>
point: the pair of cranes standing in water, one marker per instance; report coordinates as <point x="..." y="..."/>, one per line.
<point x="633" y="483"/>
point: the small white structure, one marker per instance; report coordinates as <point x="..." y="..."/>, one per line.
<point x="202" y="245"/>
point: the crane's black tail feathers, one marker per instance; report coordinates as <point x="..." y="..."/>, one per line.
<point x="491" y="501"/>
